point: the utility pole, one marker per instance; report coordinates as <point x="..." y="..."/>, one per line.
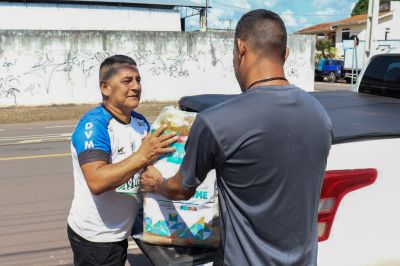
<point x="372" y="23"/>
<point x="206" y="15"/>
<point x="203" y="18"/>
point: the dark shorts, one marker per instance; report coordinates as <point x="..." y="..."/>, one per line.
<point x="92" y="253"/>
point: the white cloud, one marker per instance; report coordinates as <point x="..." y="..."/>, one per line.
<point x="219" y="18"/>
<point x="239" y="3"/>
<point x="270" y="3"/>
<point x="323" y="2"/>
<point x="292" y="21"/>
<point x="302" y="20"/>
<point x="288" y="17"/>
<point x="352" y="6"/>
<point x="327" y="12"/>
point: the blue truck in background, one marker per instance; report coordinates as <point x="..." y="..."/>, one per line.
<point x="331" y="69"/>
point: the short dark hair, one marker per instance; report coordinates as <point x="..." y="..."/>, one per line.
<point x="107" y="66"/>
<point x="265" y="32"/>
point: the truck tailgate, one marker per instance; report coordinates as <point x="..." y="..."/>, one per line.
<point x="355" y="116"/>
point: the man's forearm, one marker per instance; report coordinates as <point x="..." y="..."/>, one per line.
<point x="172" y="188"/>
<point x="110" y="176"/>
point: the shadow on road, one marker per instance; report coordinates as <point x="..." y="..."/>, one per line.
<point x="136" y="258"/>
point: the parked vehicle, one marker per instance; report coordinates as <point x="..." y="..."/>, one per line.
<point x="331" y="69"/>
<point x="358" y="213"/>
<point x="354" y="57"/>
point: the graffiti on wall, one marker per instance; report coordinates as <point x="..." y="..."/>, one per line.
<point x="42" y="72"/>
<point x="61" y="75"/>
<point x="292" y="66"/>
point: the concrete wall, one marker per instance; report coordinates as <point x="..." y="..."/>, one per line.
<point x="60" y="67"/>
<point x="44" y="16"/>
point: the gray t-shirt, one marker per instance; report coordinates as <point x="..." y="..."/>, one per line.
<point x="269" y="147"/>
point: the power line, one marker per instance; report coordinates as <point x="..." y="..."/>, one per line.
<point x="282" y="13"/>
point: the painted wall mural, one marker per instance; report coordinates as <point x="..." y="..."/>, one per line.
<point x="43" y="69"/>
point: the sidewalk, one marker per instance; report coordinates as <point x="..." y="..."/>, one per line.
<point x="23" y="114"/>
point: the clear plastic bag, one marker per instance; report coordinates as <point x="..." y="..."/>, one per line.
<point x="186" y="223"/>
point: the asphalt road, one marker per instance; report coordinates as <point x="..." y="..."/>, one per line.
<point x="326" y="86"/>
<point x="36" y="190"/>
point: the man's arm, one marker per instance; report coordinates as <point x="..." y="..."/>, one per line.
<point x="102" y="176"/>
<point x="171" y="188"/>
<point x="203" y="153"/>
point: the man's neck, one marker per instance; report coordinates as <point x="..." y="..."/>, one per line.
<point x="123" y="115"/>
<point x="265" y="70"/>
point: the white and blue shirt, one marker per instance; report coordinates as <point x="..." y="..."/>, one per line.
<point x="100" y="136"/>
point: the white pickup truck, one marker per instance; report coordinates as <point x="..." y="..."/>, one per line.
<point x="359" y="210"/>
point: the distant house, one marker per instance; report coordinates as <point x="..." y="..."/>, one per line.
<point x="150" y="15"/>
<point x="323" y="31"/>
<point x="387" y="32"/>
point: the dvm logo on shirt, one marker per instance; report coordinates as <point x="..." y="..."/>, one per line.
<point x="88" y="133"/>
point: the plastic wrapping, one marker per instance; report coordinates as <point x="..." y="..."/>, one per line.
<point x="186" y="223"/>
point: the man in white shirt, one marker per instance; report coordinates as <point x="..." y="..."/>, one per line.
<point x="110" y="145"/>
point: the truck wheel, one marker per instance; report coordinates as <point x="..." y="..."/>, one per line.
<point x="332" y="77"/>
<point x="348" y="80"/>
<point x="318" y="78"/>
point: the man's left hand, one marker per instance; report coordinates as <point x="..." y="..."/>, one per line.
<point x="151" y="180"/>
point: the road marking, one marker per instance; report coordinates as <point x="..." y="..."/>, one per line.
<point x="35" y="156"/>
<point x="59" y="126"/>
<point x="132" y="245"/>
<point x="2" y="129"/>
<point x="30" y="141"/>
<point x="37" y="136"/>
<point x="333" y="84"/>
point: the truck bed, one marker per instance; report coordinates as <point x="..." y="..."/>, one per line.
<point x="355" y="116"/>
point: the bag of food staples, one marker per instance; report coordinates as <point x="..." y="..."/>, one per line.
<point x="185" y="223"/>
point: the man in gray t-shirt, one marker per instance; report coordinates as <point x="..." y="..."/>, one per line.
<point x="269" y="146"/>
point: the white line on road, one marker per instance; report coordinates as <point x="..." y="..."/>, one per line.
<point x="333" y="84"/>
<point x="30" y="141"/>
<point x="35" y="157"/>
<point x="59" y="126"/>
<point x="35" y="136"/>
<point x="2" y="129"/>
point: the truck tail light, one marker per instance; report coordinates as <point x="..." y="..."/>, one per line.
<point x="336" y="185"/>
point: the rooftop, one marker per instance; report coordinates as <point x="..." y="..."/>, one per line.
<point x="329" y="27"/>
<point x="323" y="27"/>
<point x="358" y="19"/>
<point x="161" y="3"/>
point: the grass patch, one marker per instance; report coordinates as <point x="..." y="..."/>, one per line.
<point x="23" y="114"/>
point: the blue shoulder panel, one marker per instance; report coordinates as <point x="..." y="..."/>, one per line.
<point x="141" y="117"/>
<point x="91" y="132"/>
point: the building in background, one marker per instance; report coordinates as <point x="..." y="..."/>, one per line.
<point x="323" y="31"/>
<point x="150" y="15"/>
<point x="387" y="32"/>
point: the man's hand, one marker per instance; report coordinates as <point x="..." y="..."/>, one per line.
<point x="151" y="180"/>
<point x="171" y="188"/>
<point x="154" y="145"/>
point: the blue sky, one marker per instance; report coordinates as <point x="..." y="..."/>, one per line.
<point x="297" y="14"/>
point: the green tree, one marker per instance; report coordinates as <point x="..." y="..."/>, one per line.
<point x="362" y="6"/>
<point x="326" y="49"/>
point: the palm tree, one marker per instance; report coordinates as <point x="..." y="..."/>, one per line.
<point x="326" y="48"/>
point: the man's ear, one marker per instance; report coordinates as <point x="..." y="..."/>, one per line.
<point x="241" y="48"/>
<point x="104" y="88"/>
<point x="287" y="53"/>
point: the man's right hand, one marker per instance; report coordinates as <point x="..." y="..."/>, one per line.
<point x="156" y="144"/>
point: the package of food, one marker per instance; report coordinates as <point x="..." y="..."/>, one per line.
<point x="186" y="223"/>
